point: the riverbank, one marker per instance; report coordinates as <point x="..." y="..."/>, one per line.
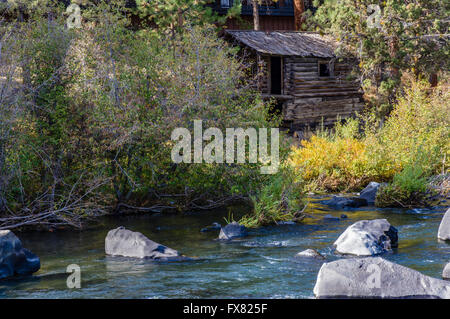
<point x="262" y="265"/>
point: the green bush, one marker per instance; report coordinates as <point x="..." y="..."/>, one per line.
<point x="408" y="189"/>
<point x="280" y="199"/>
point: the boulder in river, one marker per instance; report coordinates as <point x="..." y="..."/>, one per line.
<point x="124" y="242"/>
<point x="370" y="192"/>
<point x="367" y="238"/>
<point x="14" y="259"/>
<point x="232" y="230"/>
<point x="375" y="277"/>
<point x="339" y="202"/>
<point x="310" y="253"/>
<point x="444" y="227"/>
<point x="446" y="272"/>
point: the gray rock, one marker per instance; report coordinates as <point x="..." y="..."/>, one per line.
<point x="124" y="242"/>
<point x="376" y="278"/>
<point x="345" y="202"/>
<point x="14" y="259"/>
<point x="233" y="230"/>
<point x="213" y="227"/>
<point x="446" y="272"/>
<point x="370" y="192"/>
<point x="367" y="238"/>
<point x="444" y="227"/>
<point x="310" y="253"/>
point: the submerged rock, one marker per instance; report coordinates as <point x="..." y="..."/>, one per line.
<point x="289" y="222"/>
<point x="14" y="259"/>
<point x="367" y="238"/>
<point x="330" y="218"/>
<point x="444" y="227"/>
<point x="446" y="272"/>
<point x="376" y="278"/>
<point x="124" y="242"/>
<point x="339" y="202"/>
<point x="213" y="227"/>
<point x="233" y="230"/>
<point x="370" y="192"/>
<point x="310" y="253"/>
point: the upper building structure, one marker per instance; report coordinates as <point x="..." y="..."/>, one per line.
<point x="273" y="15"/>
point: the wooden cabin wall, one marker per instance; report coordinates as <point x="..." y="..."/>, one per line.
<point x="265" y="77"/>
<point x="316" y="99"/>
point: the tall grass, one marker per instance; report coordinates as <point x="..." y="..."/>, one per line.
<point x="280" y="199"/>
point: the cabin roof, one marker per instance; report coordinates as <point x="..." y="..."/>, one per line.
<point x="286" y="43"/>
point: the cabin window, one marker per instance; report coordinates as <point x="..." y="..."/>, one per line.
<point x="276" y="75"/>
<point x="325" y="69"/>
<point x="225" y="3"/>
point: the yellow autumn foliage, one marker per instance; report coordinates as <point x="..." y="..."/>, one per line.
<point x="416" y="134"/>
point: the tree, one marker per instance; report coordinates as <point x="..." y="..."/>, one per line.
<point x="255" y="6"/>
<point x="87" y="115"/>
<point x="389" y="38"/>
<point x="299" y="10"/>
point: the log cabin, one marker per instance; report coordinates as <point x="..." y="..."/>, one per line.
<point x="300" y="70"/>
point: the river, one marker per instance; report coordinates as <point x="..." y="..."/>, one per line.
<point x="261" y="265"/>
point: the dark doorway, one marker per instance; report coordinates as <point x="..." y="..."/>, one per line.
<point x="275" y="75"/>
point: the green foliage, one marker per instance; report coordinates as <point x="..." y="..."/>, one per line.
<point x="406" y="190"/>
<point x="279" y="199"/>
<point x="416" y="133"/>
<point x="171" y="16"/>
<point x="97" y="108"/>
<point x="230" y="219"/>
<point x="409" y="36"/>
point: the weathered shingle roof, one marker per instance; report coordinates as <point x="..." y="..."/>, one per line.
<point x="287" y="43"/>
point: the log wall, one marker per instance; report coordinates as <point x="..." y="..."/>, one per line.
<point x="315" y="98"/>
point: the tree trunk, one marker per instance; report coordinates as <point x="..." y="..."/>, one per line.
<point x="255" y="15"/>
<point x="433" y="79"/>
<point x="299" y="9"/>
<point x="393" y="51"/>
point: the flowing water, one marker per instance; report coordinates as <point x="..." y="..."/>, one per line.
<point x="261" y="265"/>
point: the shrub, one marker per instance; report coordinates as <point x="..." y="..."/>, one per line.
<point x="332" y="161"/>
<point x="406" y="190"/>
<point x="417" y="134"/>
<point x="280" y="199"/>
